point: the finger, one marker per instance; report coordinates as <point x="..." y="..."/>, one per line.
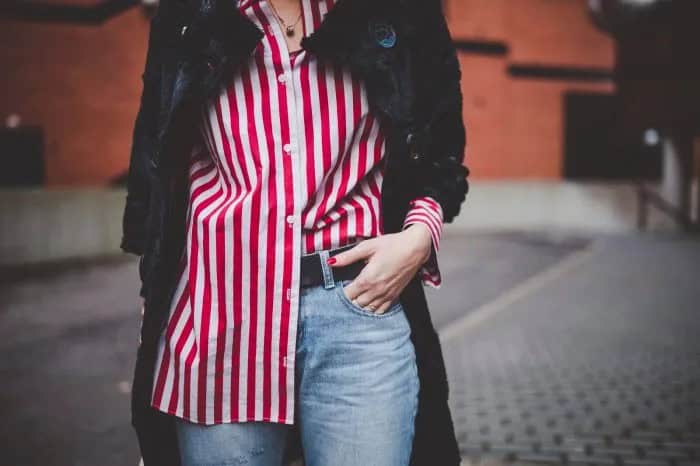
<point x="369" y="297"/>
<point x="360" y="251"/>
<point x="383" y="306"/>
<point x="359" y="285"/>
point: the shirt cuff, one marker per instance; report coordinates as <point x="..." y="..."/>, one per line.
<point x="427" y="211"/>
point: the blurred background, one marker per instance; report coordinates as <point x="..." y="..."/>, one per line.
<point x="570" y="305"/>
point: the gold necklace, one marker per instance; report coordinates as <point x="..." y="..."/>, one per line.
<point x="288" y="28"/>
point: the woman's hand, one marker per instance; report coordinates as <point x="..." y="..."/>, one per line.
<point x="392" y="261"/>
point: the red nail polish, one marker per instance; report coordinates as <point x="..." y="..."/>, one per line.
<point x="331" y="260"/>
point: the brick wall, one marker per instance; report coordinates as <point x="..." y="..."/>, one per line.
<point x="82" y="84"/>
<point x="515" y="126"/>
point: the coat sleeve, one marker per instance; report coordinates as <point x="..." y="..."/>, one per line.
<point x="439" y="143"/>
<point x="138" y="185"/>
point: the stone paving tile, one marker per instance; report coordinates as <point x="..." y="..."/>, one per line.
<point x="68" y="342"/>
<point x="576" y="459"/>
<point x="600" y="366"/>
<point x="493" y="263"/>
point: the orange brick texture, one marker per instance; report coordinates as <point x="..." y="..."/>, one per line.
<point x="82" y="85"/>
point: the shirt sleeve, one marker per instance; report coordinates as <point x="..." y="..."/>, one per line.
<point x="427" y="211"/>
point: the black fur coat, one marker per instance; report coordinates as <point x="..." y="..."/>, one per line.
<point x="413" y="81"/>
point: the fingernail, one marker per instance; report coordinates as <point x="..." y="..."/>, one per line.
<point x="331" y="260"/>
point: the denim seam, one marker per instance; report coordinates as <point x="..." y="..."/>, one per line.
<point x="418" y="386"/>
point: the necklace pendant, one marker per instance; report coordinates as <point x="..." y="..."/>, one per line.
<point x="290" y="30"/>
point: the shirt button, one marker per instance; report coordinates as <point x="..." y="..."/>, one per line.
<point x="290" y="219"/>
<point x="288" y="148"/>
<point x="282" y="78"/>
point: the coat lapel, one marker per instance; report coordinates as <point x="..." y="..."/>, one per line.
<point x="372" y="38"/>
<point x="218" y="37"/>
<point x="215" y="37"/>
<point x="350" y="33"/>
<point x="207" y="44"/>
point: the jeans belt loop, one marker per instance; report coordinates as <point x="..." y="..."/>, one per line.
<point x="328" y="280"/>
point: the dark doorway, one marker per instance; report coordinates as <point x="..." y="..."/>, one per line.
<point x="22" y="152"/>
<point x="598" y="146"/>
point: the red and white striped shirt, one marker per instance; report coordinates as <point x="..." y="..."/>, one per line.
<point x="290" y="162"/>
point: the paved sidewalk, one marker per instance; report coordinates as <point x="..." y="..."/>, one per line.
<point x="560" y="350"/>
<point x="68" y="339"/>
<point x="594" y="360"/>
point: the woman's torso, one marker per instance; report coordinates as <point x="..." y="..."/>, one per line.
<point x="290" y="161"/>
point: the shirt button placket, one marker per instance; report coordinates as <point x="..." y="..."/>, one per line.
<point x="290" y="148"/>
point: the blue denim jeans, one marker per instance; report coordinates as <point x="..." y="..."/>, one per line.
<point x="356" y="392"/>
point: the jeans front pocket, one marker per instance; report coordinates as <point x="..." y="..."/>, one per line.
<point x="393" y="309"/>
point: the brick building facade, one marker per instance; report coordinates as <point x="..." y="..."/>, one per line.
<point x="81" y="84"/>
